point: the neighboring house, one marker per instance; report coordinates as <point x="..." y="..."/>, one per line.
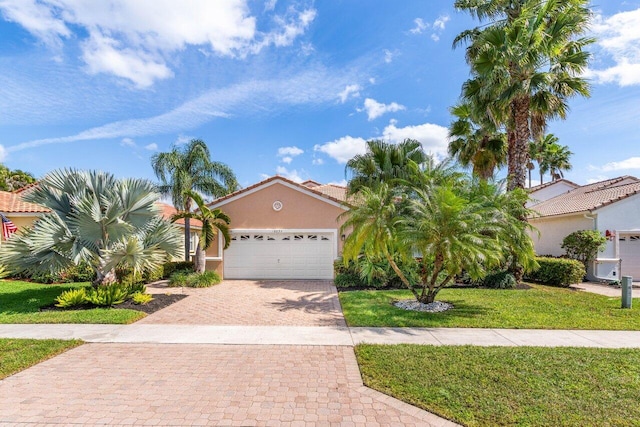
<point x="551" y="189"/>
<point x="195" y="226"/>
<point x="280" y="230"/>
<point x="611" y="207"/>
<point x="21" y="213"/>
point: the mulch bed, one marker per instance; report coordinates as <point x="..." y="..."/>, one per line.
<point x="159" y="302"/>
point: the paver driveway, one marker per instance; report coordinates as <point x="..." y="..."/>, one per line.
<point x="251" y="302"/>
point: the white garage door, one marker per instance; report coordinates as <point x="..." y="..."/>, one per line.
<point x="630" y="255"/>
<point x="280" y="255"/>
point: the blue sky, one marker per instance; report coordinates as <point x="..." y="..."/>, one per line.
<point x="288" y="87"/>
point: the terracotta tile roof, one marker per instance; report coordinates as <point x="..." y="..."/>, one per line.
<point x="311" y="183"/>
<point x="550" y="183"/>
<point x="168" y="210"/>
<point x="330" y="191"/>
<point x="589" y="197"/>
<point x="13" y="203"/>
<point x="27" y="188"/>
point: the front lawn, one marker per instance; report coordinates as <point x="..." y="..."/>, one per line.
<point x="506" y="386"/>
<point x="18" y="354"/>
<point x="20" y="303"/>
<point x="541" y="307"/>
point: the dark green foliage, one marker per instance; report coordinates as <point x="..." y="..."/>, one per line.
<point x="134" y="288"/>
<point x="77" y="273"/>
<point x="367" y="273"/>
<point x="584" y="245"/>
<point x="191" y="279"/>
<point x="558" y="272"/>
<point x="170" y="267"/>
<point x="12" y="180"/>
<point x="179" y="278"/>
<point x="499" y="280"/>
<point x="72" y="298"/>
<point x="108" y="295"/>
<point x="153" y="275"/>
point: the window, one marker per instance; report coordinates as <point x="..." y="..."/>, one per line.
<point x="245" y="237"/>
<point x="312" y="237"/>
<point x="258" y="237"/>
<point x="193" y="242"/>
<point x="298" y="237"/>
<point x="325" y="238"/>
<point x="270" y="238"/>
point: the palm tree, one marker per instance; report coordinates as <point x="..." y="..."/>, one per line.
<point x="212" y="221"/>
<point x="476" y="145"/>
<point x="530" y="61"/>
<point x="454" y="223"/>
<point x="538" y="150"/>
<point x="97" y="219"/>
<point x="557" y="160"/>
<point x="382" y="162"/>
<point x="191" y="169"/>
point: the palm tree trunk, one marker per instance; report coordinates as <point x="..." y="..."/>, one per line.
<point x="401" y="275"/>
<point x="104" y="278"/>
<point x="187" y="239"/>
<point x="200" y="259"/>
<point x="541" y="177"/>
<point x="519" y="144"/>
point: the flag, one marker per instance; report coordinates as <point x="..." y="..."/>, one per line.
<point x="8" y="227"/>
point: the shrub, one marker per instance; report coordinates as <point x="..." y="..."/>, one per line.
<point x="203" y="280"/>
<point x="141" y="298"/>
<point x="583" y="245"/>
<point x="134" y="288"/>
<point x="153" y="275"/>
<point x="371" y="273"/>
<point x="348" y="280"/>
<point x="109" y="295"/>
<point x="500" y="280"/>
<point x="557" y="272"/>
<point x="170" y="267"/>
<point x="72" y="298"/>
<point x="179" y="278"/>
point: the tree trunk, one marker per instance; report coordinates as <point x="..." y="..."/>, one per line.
<point x="400" y="274"/>
<point x="104" y="278"/>
<point x="200" y="259"/>
<point x="429" y="297"/>
<point x="187" y="239"/>
<point x="518" y="155"/>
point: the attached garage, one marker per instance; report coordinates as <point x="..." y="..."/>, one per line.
<point x="630" y="255"/>
<point x="280" y="254"/>
<point x="281" y="229"/>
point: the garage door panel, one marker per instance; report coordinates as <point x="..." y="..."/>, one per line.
<point x="281" y="255"/>
<point x="630" y="255"/>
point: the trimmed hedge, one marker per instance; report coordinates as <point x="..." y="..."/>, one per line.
<point x="170" y="267"/>
<point x="557" y="272"/>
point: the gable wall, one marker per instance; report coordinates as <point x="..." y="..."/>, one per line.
<point x="549" y="192"/>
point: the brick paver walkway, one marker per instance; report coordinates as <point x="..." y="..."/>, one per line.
<point x="190" y="384"/>
<point x="247" y="302"/>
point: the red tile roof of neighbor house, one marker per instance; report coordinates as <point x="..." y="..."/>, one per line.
<point x="13" y="203"/>
<point x="550" y="183"/>
<point x="167" y="211"/>
<point x="332" y="192"/>
<point x="589" y="197"/>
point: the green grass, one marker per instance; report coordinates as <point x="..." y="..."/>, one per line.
<point x="20" y="302"/>
<point x="541" y="307"/>
<point x="507" y="386"/>
<point x="17" y="354"/>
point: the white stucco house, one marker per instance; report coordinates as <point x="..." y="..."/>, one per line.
<point x="611" y="207"/>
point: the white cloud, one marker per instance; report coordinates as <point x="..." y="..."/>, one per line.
<point x="3" y="153"/>
<point x="618" y="38"/>
<point x="151" y="147"/>
<point x="420" y="26"/>
<point x="441" y="22"/>
<point x="293" y="175"/>
<point x="349" y="91"/>
<point x="341" y="183"/>
<point x="343" y="149"/>
<point x="595" y="179"/>
<point x="376" y="109"/>
<point x="289" y="151"/>
<point x="630" y="163"/>
<point x="270" y="5"/>
<point x="434" y="138"/>
<point x="372" y="80"/>
<point x="125" y="40"/>
<point x="127" y="142"/>
<point x="183" y="139"/>
<point x="287" y="160"/>
<point x="317" y="161"/>
<point x="388" y="56"/>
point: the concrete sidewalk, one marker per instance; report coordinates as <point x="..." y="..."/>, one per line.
<point x="322" y="335"/>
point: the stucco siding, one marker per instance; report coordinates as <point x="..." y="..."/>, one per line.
<point x="549" y="192"/>
<point x="552" y="230"/>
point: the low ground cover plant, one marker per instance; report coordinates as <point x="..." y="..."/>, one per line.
<point x="191" y="279"/>
<point x="102" y="296"/>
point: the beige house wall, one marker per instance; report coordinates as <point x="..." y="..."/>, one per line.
<point x="552" y="230"/>
<point x="299" y="211"/>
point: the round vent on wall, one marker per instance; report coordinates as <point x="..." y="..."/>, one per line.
<point x="277" y="205"/>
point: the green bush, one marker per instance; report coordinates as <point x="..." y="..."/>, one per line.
<point x="134" y="288"/>
<point x="557" y="272"/>
<point x="109" y="295"/>
<point x="179" y="278"/>
<point x="367" y="273"/>
<point x="141" y="298"/>
<point x="72" y="298"/>
<point x="348" y="280"/>
<point x="203" y="280"/>
<point x="154" y="275"/>
<point x="170" y="267"/>
<point x="499" y="280"/>
<point x="584" y="245"/>
<point x="77" y="273"/>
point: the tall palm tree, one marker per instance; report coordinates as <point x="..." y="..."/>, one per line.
<point x="97" y="219"/>
<point x="191" y="169"/>
<point x="530" y="60"/>
<point x="480" y="146"/>
<point x="382" y="162"/>
<point x="213" y="221"/>
<point x="538" y="152"/>
<point x="557" y="159"/>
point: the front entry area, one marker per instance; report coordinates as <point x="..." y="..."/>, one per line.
<point x="280" y="254"/>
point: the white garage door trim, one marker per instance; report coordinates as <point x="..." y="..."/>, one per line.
<point x="237" y="268"/>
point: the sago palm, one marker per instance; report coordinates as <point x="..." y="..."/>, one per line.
<point x="191" y="169"/>
<point x="213" y="221"/>
<point x="97" y="219"/>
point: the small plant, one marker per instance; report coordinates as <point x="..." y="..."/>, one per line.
<point x="500" y="280"/>
<point x="136" y="288"/>
<point x="108" y="296"/>
<point x="203" y="280"/>
<point x="583" y="245"/>
<point x="72" y="298"/>
<point x="179" y="278"/>
<point x="141" y="298"/>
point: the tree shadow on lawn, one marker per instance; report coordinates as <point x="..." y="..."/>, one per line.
<point x="31" y="300"/>
<point x="460" y="310"/>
